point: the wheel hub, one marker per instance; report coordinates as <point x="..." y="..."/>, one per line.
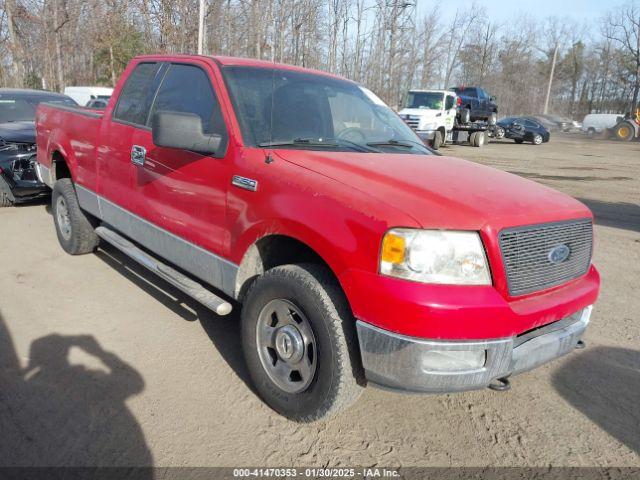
<point x="289" y="344"/>
<point x="62" y="214"/>
<point x="286" y="345"/>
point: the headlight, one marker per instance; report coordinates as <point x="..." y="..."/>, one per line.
<point x="429" y="126"/>
<point x="434" y="256"/>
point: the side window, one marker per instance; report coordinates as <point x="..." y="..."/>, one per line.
<point x="450" y="102"/>
<point x="136" y="95"/>
<point x="188" y="89"/>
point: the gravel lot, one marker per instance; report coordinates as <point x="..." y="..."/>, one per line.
<point x="101" y="363"/>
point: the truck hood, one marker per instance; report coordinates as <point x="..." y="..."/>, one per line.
<point x="443" y="192"/>
<point x="18" y="132"/>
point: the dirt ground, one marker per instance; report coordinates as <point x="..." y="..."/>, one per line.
<point x="102" y="363"/>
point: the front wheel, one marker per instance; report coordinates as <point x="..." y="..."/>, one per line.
<point x="438" y="139"/>
<point x="299" y="342"/>
<point x="537" y="139"/>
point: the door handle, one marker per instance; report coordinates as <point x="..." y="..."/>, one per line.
<point x="138" y="155"/>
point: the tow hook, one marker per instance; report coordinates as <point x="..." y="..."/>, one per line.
<point x="500" y="384"/>
<point x="580" y="345"/>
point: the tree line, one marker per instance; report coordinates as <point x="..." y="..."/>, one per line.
<point x="388" y="45"/>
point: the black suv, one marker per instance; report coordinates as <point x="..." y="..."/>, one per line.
<point x="476" y="104"/>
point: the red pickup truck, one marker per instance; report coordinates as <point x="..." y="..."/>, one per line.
<point x="355" y="253"/>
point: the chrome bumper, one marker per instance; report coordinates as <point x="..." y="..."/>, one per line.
<point x="396" y="361"/>
<point x="426" y="134"/>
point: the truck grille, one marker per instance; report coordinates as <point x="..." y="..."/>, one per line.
<point x="412" y="120"/>
<point x="527" y="254"/>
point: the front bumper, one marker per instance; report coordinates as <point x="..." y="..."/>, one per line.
<point x="25" y="190"/>
<point x="426" y="135"/>
<point x="398" y="362"/>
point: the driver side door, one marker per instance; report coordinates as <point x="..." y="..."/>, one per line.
<point x="181" y="192"/>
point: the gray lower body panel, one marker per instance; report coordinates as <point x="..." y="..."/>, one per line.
<point x="396" y="361"/>
<point x="202" y="264"/>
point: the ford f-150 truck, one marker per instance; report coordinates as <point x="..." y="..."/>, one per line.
<point x="354" y="254"/>
<point x="474" y="103"/>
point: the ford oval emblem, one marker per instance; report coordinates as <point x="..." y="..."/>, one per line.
<point x="558" y="254"/>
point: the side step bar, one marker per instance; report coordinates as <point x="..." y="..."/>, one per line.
<point x="175" y="278"/>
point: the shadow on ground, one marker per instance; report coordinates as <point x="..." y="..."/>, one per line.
<point x="53" y="413"/>
<point x="615" y="214"/>
<point x="604" y="384"/>
<point x="223" y="331"/>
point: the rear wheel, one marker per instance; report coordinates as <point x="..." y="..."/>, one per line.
<point x="624" y="132"/>
<point x="537" y="139"/>
<point x="477" y="139"/>
<point x="6" y="197"/>
<point x="74" y="228"/>
<point x="465" y="116"/>
<point x="299" y="342"/>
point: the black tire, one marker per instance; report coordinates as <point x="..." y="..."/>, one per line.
<point x="315" y="293"/>
<point x="624" y="131"/>
<point x="74" y="228"/>
<point x="480" y="140"/>
<point x="537" y="139"/>
<point x="465" y="116"/>
<point x="437" y="140"/>
<point x="6" y="197"/>
<point x="518" y="140"/>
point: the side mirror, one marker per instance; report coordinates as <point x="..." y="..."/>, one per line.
<point x="183" y="131"/>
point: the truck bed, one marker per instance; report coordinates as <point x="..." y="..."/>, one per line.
<point x="73" y="131"/>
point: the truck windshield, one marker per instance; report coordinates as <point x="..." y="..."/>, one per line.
<point x="430" y="100"/>
<point x="23" y="108"/>
<point x="288" y="109"/>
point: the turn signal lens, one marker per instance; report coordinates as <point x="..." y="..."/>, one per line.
<point x="393" y="248"/>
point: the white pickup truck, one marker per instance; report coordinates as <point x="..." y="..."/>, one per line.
<point x="431" y="113"/>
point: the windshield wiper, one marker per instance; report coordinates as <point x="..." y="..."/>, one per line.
<point x="355" y="145"/>
<point x="391" y="143"/>
<point x="308" y="142"/>
<point x="398" y="143"/>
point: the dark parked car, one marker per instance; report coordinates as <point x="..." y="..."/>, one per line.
<point x="18" y="178"/>
<point x="476" y="104"/>
<point x="523" y="129"/>
<point x="98" y="103"/>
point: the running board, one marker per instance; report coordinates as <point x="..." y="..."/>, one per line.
<point x="175" y="278"/>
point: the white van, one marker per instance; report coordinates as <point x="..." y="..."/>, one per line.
<point x="83" y="95"/>
<point x="600" y="122"/>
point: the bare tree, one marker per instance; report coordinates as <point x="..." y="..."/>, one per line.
<point x="625" y="30"/>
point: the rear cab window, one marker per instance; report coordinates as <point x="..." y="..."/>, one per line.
<point x="136" y="96"/>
